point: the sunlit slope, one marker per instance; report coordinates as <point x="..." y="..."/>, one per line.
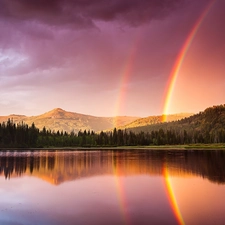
<point x="16" y="118"/>
<point x="59" y="119"/>
<point x="155" y="120"/>
<point x="210" y="120"/>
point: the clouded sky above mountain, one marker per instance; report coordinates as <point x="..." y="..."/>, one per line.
<point x="109" y="57"/>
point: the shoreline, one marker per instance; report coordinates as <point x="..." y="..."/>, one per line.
<point x="220" y="146"/>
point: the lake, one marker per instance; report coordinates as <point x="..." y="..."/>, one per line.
<point x="112" y="187"/>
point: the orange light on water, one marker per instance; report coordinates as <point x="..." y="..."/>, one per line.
<point x="171" y="196"/>
<point x="120" y="194"/>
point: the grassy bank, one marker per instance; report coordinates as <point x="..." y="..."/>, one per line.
<point x="219" y="146"/>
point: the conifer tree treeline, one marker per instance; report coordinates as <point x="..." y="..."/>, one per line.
<point x="210" y="124"/>
<point x="20" y="135"/>
<point x="205" y="127"/>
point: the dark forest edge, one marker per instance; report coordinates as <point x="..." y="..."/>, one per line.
<point x="22" y="136"/>
<point x="203" y="130"/>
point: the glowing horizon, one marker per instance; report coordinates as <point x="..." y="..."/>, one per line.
<point x="179" y="60"/>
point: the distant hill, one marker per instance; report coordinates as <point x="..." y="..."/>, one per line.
<point x="16" y="118"/>
<point x="211" y="120"/>
<point x="155" y="120"/>
<point x="205" y="127"/>
<point x="208" y="122"/>
<point x="59" y="119"/>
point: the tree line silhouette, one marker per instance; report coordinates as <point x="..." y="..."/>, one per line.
<point x="205" y="127"/>
<point x="23" y="136"/>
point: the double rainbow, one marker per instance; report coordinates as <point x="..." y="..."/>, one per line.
<point x="167" y="100"/>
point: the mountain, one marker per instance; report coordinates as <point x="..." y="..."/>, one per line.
<point x="211" y="120"/>
<point x="16" y="118"/>
<point x="59" y="119"/>
<point x="155" y="120"/>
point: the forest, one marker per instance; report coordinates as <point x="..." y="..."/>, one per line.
<point x="205" y="127"/>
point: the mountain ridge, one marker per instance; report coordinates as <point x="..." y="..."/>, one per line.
<point x="155" y="120"/>
<point x="206" y="124"/>
<point x="60" y="119"/>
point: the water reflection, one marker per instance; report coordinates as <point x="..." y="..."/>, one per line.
<point x="60" y="166"/>
<point x="112" y="187"/>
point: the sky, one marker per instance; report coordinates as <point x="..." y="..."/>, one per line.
<point x="110" y="57"/>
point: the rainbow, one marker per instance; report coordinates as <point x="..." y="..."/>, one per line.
<point x="171" y="196"/>
<point x="125" y="78"/>
<point x="176" y="68"/>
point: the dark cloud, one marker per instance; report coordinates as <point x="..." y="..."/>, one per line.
<point x="45" y="53"/>
<point x="82" y="13"/>
<point x="47" y="32"/>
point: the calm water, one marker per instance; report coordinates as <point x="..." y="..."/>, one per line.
<point x="112" y="187"/>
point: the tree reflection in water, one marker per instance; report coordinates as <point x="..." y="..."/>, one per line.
<point x="60" y="166"/>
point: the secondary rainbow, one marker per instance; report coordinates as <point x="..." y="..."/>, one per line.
<point x="176" y="68"/>
<point x="125" y="78"/>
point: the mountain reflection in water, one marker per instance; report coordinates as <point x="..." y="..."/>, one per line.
<point x="61" y="166"/>
<point x="112" y="187"/>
